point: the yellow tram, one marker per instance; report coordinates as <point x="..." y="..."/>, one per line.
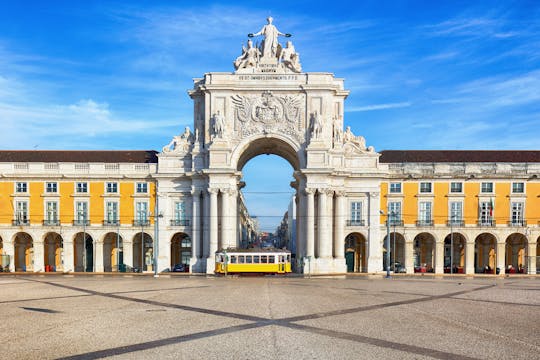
<point x="262" y="261"/>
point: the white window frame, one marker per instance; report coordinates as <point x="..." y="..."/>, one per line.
<point x="142" y="185"/>
<point x="522" y="187"/>
<point x="517" y="213"/>
<point x="483" y="191"/>
<point x="81" y="215"/>
<point x="394" y="211"/>
<point x="83" y="186"/>
<point x="111" y="187"/>
<point x="455" y="212"/>
<point x="356" y="212"/>
<point x="55" y="215"/>
<point x="396" y="184"/>
<point x="142" y="212"/>
<point x="425" y="212"/>
<point x="456" y="192"/>
<point x="52" y="189"/>
<point x="484" y="210"/>
<point x="22" y="214"/>
<point x="112" y="213"/>
<point x="420" y="190"/>
<point x="21" y="187"/>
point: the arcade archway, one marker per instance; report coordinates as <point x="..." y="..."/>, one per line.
<point x="113" y="254"/>
<point x="24" y="252"/>
<point x="54" y="250"/>
<point x="454" y="253"/>
<point x="180" y="249"/>
<point x="143" y="252"/>
<point x="397" y="252"/>
<point x="424" y="253"/>
<point x="84" y="252"/>
<point x="485" y="249"/>
<point x="516" y="253"/>
<point x="355" y="252"/>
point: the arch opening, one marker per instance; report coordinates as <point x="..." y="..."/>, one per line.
<point x="454" y="253"/>
<point x="24" y="252"/>
<point x="397" y="253"/>
<point x="113" y="254"/>
<point x="180" y="252"/>
<point x="424" y="253"/>
<point x="53" y="252"/>
<point x="516" y="253"/>
<point x="84" y="252"/>
<point x="355" y="252"/>
<point x="485" y="254"/>
<point x="143" y="252"/>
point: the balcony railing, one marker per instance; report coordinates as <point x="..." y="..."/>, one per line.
<point x="20" y="222"/>
<point x="424" y="222"/>
<point x="457" y="223"/>
<point x="396" y="222"/>
<point x="140" y="222"/>
<point x="111" y="222"/>
<point x="179" y="222"/>
<point x="81" y="222"/>
<point x="51" y="222"/>
<point x="486" y="223"/>
<point x="356" y="223"/>
<point x="517" y="223"/>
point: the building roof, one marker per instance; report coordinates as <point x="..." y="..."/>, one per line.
<point x="446" y="156"/>
<point x="79" y="156"/>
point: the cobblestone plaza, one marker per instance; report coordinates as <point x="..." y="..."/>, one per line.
<point x="195" y="317"/>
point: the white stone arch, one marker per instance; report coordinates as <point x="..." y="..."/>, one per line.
<point x="276" y="144"/>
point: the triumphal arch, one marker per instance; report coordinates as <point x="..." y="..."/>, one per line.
<point x="268" y="105"/>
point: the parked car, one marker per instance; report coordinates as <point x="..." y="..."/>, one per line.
<point x="399" y="268"/>
<point x="180" y="268"/>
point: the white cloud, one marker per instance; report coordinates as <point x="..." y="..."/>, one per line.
<point x="378" y="107"/>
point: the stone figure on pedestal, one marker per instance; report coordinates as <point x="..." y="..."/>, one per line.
<point x="349" y="137"/>
<point x="180" y="143"/>
<point x="290" y="58"/>
<point x="337" y="132"/>
<point x="316" y="125"/>
<point x="249" y="58"/>
<point x="218" y="121"/>
<point x="270" y="42"/>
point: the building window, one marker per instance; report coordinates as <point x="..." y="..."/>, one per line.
<point x="425" y="187"/>
<point x="486" y="187"/>
<point x="424" y="213"/>
<point x="21" y="187"/>
<point x="456" y="213"/>
<point x="356" y="214"/>
<point x="111" y="215"/>
<point x="51" y="187"/>
<point x="456" y="187"/>
<point x="81" y="187"/>
<point x="141" y="213"/>
<point x="518" y="188"/>
<point x="394" y="212"/>
<point x="112" y="188"/>
<point x="395" y="188"/>
<point x="142" y="188"/>
<point x="486" y="214"/>
<point x="21" y="213"/>
<point x="51" y="213"/>
<point x="517" y="214"/>
<point x="81" y="213"/>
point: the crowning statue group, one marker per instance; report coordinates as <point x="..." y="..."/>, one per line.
<point x="270" y="50"/>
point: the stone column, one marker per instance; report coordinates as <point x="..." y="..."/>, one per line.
<point x="69" y="258"/>
<point x="501" y="248"/>
<point x="127" y="248"/>
<point x="531" y="253"/>
<point x="98" y="256"/>
<point x="206" y="225"/>
<point x="469" y="257"/>
<point x="300" y="226"/>
<point x="9" y="249"/>
<point x="310" y="223"/>
<point x="374" y="251"/>
<point x="212" y="248"/>
<point x="339" y="240"/>
<point x="439" y="257"/>
<point x="232" y="214"/>
<point x="409" y="260"/>
<point x="325" y="243"/>
<point x="195" y="221"/>
<point x="39" y="256"/>
<point x="225" y="217"/>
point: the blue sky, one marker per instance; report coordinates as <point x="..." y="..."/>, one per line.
<point x="422" y="74"/>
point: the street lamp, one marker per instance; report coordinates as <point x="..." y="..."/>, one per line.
<point x="452" y="243"/>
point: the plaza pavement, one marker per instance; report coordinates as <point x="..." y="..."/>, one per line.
<point x="198" y="317"/>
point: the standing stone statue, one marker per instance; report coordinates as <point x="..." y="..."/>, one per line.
<point x="270" y="42"/>
<point x="316" y="125"/>
<point x="218" y="124"/>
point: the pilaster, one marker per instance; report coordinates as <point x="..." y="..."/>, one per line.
<point x="339" y="239"/>
<point x="439" y="257"/>
<point x="469" y="257"/>
<point x="310" y="223"/>
<point x="501" y="249"/>
<point x="39" y="256"/>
